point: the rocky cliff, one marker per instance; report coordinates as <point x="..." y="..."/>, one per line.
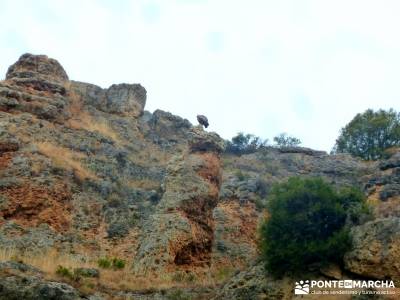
<point x="87" y="173"/>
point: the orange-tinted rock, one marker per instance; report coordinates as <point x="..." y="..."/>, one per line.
<point x="30" y="205"/>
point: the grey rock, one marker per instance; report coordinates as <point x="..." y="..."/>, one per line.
<point x="19" y="267"/>
<point x="389" y="190"/>
<point x="301" y="150"/>
<point x="126" y="98"/>
<point x="122" y="99"/>
<point x="50" y="105"/>
<point x="33" y="288"/>
<point x="8" y="102"/>
<point x="202" y="141"/>
<point x="9" y="182"/>
<point x="392" y="162"/>
<point x="118" y="228"/>
<point x="33" y="240"/>
<point x="87" y="272"/>
<point x="376" y="249"/>
<point x="28" y="65"/>
<point x="166" y="130"/>
<point x="252" y="283"/>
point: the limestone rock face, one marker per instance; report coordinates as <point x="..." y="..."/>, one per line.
<point x="180" y="233"/>
<point x="38" y="72"/>
<point x="39" y="85"/>
<point x="383" y="188"/>
<point x="86" y="171"/>
<point x="20" y="281"/>
<point x="201" y="141"/>
<point x="35" y="84"/>
<point x="125" y="99"/>
<point x="253" y="283"/>
<point x="392" y="162"/>
<point x="376" y="252"/>
<point x="122" y="99"/>
<point x="165" y="129"/>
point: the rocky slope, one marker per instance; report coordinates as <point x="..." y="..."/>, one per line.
<point x="86" y="173"/>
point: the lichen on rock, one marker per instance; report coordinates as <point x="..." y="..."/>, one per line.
<point x="121" y="99"/>
<point x="376" y="249"/>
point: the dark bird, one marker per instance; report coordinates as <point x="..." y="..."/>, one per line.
<point x="202" y="120"/>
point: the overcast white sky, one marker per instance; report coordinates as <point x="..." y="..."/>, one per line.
<point x="262" y="67"/>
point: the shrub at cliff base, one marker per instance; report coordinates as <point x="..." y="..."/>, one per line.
<point x="307" y="225"/>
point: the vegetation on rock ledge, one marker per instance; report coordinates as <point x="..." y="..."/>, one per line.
<point x="369" y="134"/>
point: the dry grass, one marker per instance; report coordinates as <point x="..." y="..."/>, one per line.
<point x="47" y="262"/>
<point x="118" y="279"/>
<point x="85" y="121"/>
<point x="146" y="184"/>
<point x="81" y="119"/>
<point x="66" y="159"/>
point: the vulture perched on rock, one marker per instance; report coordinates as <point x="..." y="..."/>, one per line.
<point x="202" y="120"/>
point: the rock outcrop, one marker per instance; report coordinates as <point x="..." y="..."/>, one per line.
<point x="39" y="85"/>
<point x="376" y="249"/>
<point x="180" y="232"/>
<point x="35" y="84"/>
<point x="122" y="99"/>
<point x="21" y="281"/>
<point x="38" y="72"/>
<point x="254" y="283"/>
<point x="165" y="129"/>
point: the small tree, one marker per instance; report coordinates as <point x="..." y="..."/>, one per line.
<point x="284" y="140"/>
<point x="369" y="134"/>
<point x="245" y="143"/>
<point x="306" y="225"/>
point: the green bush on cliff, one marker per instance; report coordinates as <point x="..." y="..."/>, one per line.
<point x="283" y="140"/>
<point x="245" y="144"/>
<point x="307" y="225"/>
<point x="369" y="134"/>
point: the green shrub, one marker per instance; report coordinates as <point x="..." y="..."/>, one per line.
<point x="307" y="225"/>
<point x="369" y="134"/>
<point x="67" y="273"/>
<point x="284" y="140"/>
<point x="245" y="144"/>
<point x="118" y="263"/>
<point x="115" y="263"/>
<point x="64" y="272"/>
<point x="104" y="263"/>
